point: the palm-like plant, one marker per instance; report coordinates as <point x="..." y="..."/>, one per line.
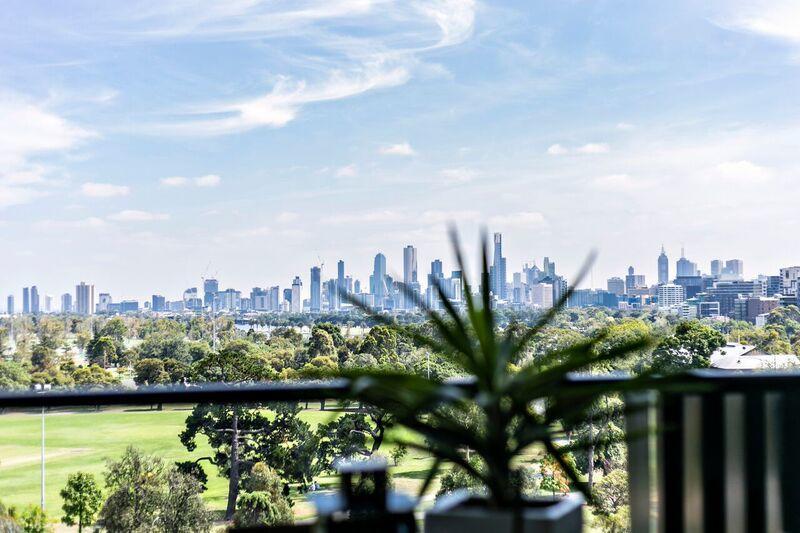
<point x="514" y="409"/>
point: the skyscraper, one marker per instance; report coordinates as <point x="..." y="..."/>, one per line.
<point x="685" y="267"/>
<point x="84" y="299"/>
<point x="716" y="267"/>
<point x="616" y="286"/>
<point x="634" y="281"/>
<point x="316" y="289"/>
<point x="210" y="290"/>
<point x="498" y="271"/>
<point x="158" y="303"/>
<point x="663" y="267"/>
<point x="734" y="268"/>
<point x="378" y="287"/>
<point x="10" y="304"/>
<point x="26" y="300"/>
<point x="297" y="295"/>
<point x="35" y="307"/>
<point x="104" y="302"/>
<point x="410" y="276"/>
<point x="341" y="285"/>
<point x="66" y="303"/>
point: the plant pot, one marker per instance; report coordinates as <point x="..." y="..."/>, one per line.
<point x="465" y="512"/>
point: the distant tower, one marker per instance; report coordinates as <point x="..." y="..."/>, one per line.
<point x="379" y="288"/>
<point x="316" y="289"/>
<point x="84" y="299"/>
<point x="297" y="295"/>
<point x="663" y="267"/>
<point x="498" y="273"/>
<point x="10" y="304"/>
<point x="35" y="309"/>
<point x="26" y="300"/>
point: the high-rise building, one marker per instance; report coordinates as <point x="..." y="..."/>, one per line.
<point x="634" y="281"/>
<point x="341" y="285"/>
<point x="378" y="286"/>
<point x="616" y="286"/>
<point x="26" y="300"/>
<point x="498" y="269"/>
<point x="684" y="267"/>
<point x="104" y="303"/>
<point x="789" y="280"/>
<point x="35" y="309"/>
<point x="670" y="295"/>
<point x="287" y="297"/>
<point x="158" y="303"/>
<point x="84" y="299"/>
<point x="549" y="267"/>
<point x="726" y="293"/>
<point x="66" y="303"/>
<point x="316" y="289"/>
<point x="259" y="299"/>
<point x="48" y="303"/>
<point x="10" y="304"/>
<point x="410" y="277"/>
<point x="663" y="267"/>
<point x="716" y="267"/>
<point x="210" y="290"/>
<point x="542" y="295"/>
<point x="191" y="300"/>
<point x="297" y="295"/>
<point x="734" y="268"/>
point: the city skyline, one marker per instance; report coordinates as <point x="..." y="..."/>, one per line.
<point x="317" y="280"/>
<point x="358" y="126"/>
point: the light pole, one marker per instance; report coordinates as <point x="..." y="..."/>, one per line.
<point x="41" y="388"/>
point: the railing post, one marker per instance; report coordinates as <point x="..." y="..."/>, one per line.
<point x="638" y="430"/>
<point x="671" y="493"/>
<point x="754" y="458"/>
<point x="712" y="445"/>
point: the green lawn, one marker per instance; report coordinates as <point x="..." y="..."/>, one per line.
<point x="85" y="440"/>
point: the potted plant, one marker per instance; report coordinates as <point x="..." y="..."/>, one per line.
<point x="484" y="423"/>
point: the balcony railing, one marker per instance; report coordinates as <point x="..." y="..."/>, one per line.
<point x="716" y="451"/>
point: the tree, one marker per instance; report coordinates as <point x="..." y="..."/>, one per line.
<point x="82" y="499"/>
<point x="102" y="351"/>
<point x="265" y="504"/>
<point x="42" y="357"/>
<point x="150" y="372"/>
<point x="135" y="486"/>
<point x="611" y="492"/>
<point x="398" y="452"/>
<point x="115" y="328"/>
<point x="320" y="344"/>
<point x="13" y="376"/>
<point x="34" y="520"/>
<point x="163" y="345"/>
<point x="8" y="520"/>
<point x="690" y="346"/>
<point x="94" y="376"/>
<point x="230" y="429"/>
<point x="183" y="509"/>
<point x="554" y="479"/>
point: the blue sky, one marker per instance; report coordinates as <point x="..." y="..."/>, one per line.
<point x="146" y="143"/>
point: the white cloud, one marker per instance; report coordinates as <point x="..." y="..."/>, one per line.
<point x="625" y="126"/>
<point x="557" y="149"/>
<point x="104" y="190"/>
<point x="618" y="183"/>
<point x="398" y="149"/>
<point x="17" y="195"/>
<point x="778" y="19"/>
<point x="593" y="148"/>
<point x="286" y="217"/>
<point x="134" y="215"/>
<point x="523" y="219"/>
<point x="742" y="172"/>
<point x="386" y="54"/>
<point x="347" y="171"/>
<point x="209" y="180"/>
<point x="174" y="181"/>
<point x="458" y="175"/>
<point x="588" y="148"/>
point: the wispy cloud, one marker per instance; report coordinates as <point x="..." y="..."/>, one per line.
<point x="17" y="195"/>
<point x="385" y="56"/>
<point x="347" y="171"/>
<point x="209" y="180"/>
<point x="104" y="190"/>
<point x="586" y="149"/>
<point x="458" y="175"/>
<point x="397" y="149"/>
<point x="778" y="19"/>
<point x="134" y="215"/>
<point x="741" y="172"/>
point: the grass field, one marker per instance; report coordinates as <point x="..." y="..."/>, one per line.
<point x="85" y="440"/>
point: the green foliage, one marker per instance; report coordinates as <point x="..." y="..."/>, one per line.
<point x="398" y="453"/>
<point x="165" y="345"/>
<point x="34" y="520"/>
<point x="182" y="508"/>
<point x="135" y="486"/>
<point x="555" y="473"/>
<point x="8" y="520"/>
<point x="94" y="377"/>
<point x="457" y="478"/>
<point x="150" y="372"/>
<point x="13" y="376"/>
<point x="501" y="397"/>
<point x="82" y="499"/>
<point x="611" y="492"/>
<point x="102" y="351"/>
<point x="690" y="346"/>
<point x="263" y="508"/>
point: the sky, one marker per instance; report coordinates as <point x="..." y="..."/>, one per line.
<point x="148" y="143"/>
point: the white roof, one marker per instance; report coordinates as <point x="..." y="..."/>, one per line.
<point x="735" y="356"/>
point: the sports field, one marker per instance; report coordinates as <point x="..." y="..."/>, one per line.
<point x="85" y="440"/>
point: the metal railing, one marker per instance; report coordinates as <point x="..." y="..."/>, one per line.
<point x="718" y="451"/>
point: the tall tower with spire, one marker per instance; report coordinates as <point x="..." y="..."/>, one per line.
<point x="663" y="267"/>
